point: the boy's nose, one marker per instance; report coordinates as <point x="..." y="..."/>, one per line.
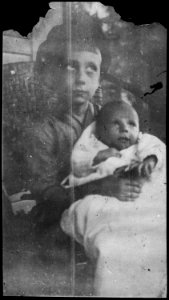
<point x="81" y="77"/>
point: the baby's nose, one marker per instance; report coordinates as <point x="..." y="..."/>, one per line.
<point x="124" y="127"/>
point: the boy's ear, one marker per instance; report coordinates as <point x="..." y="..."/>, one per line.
<point x="98" y="96"/>
<point x="102" y="73"/>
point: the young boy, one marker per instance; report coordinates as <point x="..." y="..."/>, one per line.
<point x="126" y="240"/>
<point x="74" y="76"/>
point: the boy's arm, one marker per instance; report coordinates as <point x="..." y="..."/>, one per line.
<point x="44" y="161"/>
<point x="124" y="189"/>
<point x="81" y="161"/>
<point x="83" y="153"/>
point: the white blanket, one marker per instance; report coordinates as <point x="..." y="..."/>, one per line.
<point x="125" y="240"/>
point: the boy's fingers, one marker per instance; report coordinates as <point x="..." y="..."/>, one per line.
<point x="130" y="197"/>
<point x="136" y="189"/>
<point x="133" y="183"/>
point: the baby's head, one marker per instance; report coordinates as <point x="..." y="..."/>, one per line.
<point x="117" y="125"/>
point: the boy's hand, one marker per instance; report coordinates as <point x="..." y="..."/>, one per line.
<point x="128" y="190"/>
<point x="105" y="154"/>
<point x="147" y="166"/>
<point x="124" y="189"/>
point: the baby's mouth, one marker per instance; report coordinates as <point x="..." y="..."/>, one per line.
<point x="125" y="141"/>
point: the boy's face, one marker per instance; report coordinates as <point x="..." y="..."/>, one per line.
<point x="121" y="128"/>
<point x="77" y="78"/>
<point x="81" y="76"/>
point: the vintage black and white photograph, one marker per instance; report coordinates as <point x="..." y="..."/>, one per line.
<point x="84" y="155"/>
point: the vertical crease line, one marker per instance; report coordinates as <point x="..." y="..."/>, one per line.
<point x="69" y="51"/>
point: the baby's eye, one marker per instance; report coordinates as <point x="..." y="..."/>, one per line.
<point x="115" y="123"/>
<point x="131" y="123"/>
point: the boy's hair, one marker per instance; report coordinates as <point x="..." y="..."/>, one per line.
<point x="84" y="31"/>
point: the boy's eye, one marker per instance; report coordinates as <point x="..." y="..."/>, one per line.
<point x="70" y="67"/>
<point x="90" y="72"/>
<point x="91" y="67"/>
<point x="67" y="65"/>
<point x="60" y="65"/>
<point x="60" y="62"/>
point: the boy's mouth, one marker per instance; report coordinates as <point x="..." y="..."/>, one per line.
<point x="79" y="93"/>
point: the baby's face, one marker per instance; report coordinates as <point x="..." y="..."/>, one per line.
<point x="121" y="128"/>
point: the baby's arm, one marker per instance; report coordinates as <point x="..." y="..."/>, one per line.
<point x="105" y="154"/>
<point x="146" y="168"/>
<point x="150" y="156"/>
<point x="152" y="153"/>
<point x="138" y="169"/>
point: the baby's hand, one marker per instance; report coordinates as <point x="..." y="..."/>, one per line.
<point x="105" y="154"/>
<point x="147" y="166"/>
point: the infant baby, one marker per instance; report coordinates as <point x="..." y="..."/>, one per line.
<point x="125" y="239"/>
<point x="114" y="145"/>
